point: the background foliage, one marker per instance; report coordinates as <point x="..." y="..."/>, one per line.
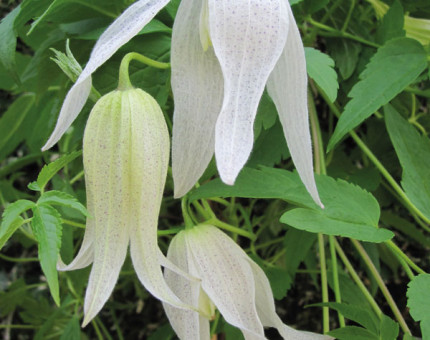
<point x="366" y="255"/>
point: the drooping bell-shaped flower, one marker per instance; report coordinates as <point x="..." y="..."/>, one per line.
<point x="224" y="53"/>
<point x="126" y="155"/>
<point x="230" y="280"/>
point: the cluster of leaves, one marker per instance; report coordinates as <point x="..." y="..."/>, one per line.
<point x="369" y="71"/>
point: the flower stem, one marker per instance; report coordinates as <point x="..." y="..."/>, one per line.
<point x="220" y="224"/>
<point x="124" y="82"/>
<point x="396" y="250"/>
<point x="382" y="286"/>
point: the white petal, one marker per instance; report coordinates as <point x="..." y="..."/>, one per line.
<point x="197" y="86"/>
<point x="226" y="278"/>
<point x="287" y="86"/>
<point x="248" y="37"/>
<point x="188" y="325"/>
<point x="266" y="309"/>
<point x="106" y="152"/>
<point x="149" y="159"/>
<point x="125" y="27"/>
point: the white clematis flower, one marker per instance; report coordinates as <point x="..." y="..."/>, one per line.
<point x="230" y="280"/>
<point x="223" y="54"/>
<point x="126" y="156"/>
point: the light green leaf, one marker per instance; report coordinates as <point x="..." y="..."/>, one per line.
<point x="8" y="43"/>
<point x="46" y="224"/>
<point x="72" y="330"/>
<point x="10" y="123"/>
<point x="49" y="170"/>
<point x="419" y="301"/>
<point x="394" y="66"/>
<point x="11" y="219"/>
<point x="349" y="210"/>
<point x="320" y="68"/>
<point x="61" y="198"/>
<point x="353" y="333"/>
<point x="413" y="151"/>
<point x="389" y="329"/>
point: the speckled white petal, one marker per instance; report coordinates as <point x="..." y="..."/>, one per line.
<point x="227" y="278"/>
<point x="266" y="309"/>
<point x="287" y="86"/>
<point x="125" y="27"/>
<point x="149" y="159"/>
<point x="248" y="37"/>
<point x="106" y="156"/>
<point x="197" y="86"/>
<point x="188" y="324"/>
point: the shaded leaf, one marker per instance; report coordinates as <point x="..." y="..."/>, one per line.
<point x="419" y="301"/>
<point x="8" y="43"/>
<point x="63" y="199"/>
<point x="413" y="151"/>
<point x="353" y="333"/>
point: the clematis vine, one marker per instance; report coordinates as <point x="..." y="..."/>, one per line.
<point x="223" y="54"/>
<point x="230" y="280"/>
<point x="126" y="155"/>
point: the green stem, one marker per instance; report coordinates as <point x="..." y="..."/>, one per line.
<point x="124" y="82"/>
<point x="348" y="17"/>
<point x="335" y="33"/>
<point x="382" y="286"/>
<point x="171" y="231"/>
<point x="220" y="224"/>
<point x="18" y="164"/>
<point x="324" y="283"/>
<point x="73" y="224"/>
<point x="357" y="279"/>
<point x="187" y="218"/>
<point x="18" y="259"/>
<point x="336" y="286"/>
<point x="409" y="205"/>
<point x="77" y="177"/>
<point x="18" y="327"/>
<point x="396" y="250"/>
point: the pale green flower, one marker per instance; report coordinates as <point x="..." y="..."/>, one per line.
<point x="230" y="280"/>
<point x="224" y="53"/>
<point x="126" y="156"/>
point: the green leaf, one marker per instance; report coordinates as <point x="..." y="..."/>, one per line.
<point x="419" y="301"/>
<point x="413" y="151"/>
<point x="349" y="210"/>
<point x="49" y="170"/>
<point x="11" y="219"/>
<point x="353" y="333"/>
<point x="392" y="24"/>
<point x="345" y="54"/>
<point x="11" y="122"/>
<point x="297" y="244"/>
<point x="394" y="66"/>
<point x="46" y="224"/>
<point x="389" y="329"/>
<point x="8" y="43"/>
<point x="63" y="199"/>
<point x="355" y="313"/>
<point x="320" y="68"/>
<point x="72" y="330"/>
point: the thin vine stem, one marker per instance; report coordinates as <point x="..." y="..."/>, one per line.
<point x="382" y="286"/>
<point x="396" y="250"/>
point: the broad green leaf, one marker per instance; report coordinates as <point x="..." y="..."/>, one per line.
<point x="419" y="301"/>
<point x="11" y="219"/>
<point x="280" y="281"/>
<point x="11" y="122"/>
<point x="394" y="66"/>
<point x="320" y="68"/>
<point x="46" y="224"/>
<point x="389" y="329"/>
<point x="358" y="314"/>
<point x="63" y="199"/>
<point x="49" y="170"/>
<point x="297" y="244"/>
<point x="353" y="333"/>
<point x="413" y="151"/>
<point x="8" y="43"/>
<point x="349" y="210"/>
